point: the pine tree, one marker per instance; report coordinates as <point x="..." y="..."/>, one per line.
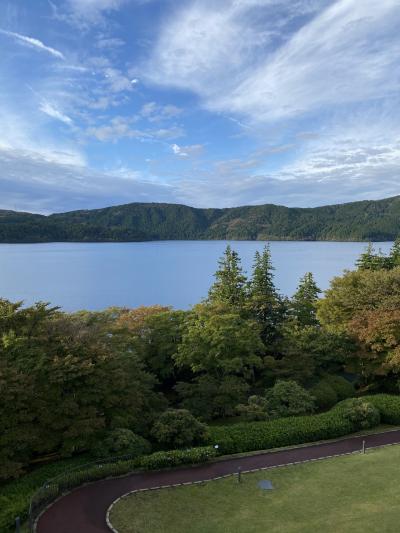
<point x="230" y="282"/>
<point x="394" y="256"/>
<point x="303" y="304"/>
<point x="369" y="260"/>
<point x="265" y="303"/>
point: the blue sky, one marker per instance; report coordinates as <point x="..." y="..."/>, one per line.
<point x="211" y="103"/>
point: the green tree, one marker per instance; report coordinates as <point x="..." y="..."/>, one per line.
<point x="394" y="256"/>
<point x="230" y="282"/>
<point x="309" y="351"/>
<point x="264" y="302"/>
<point x="218" y="341"/>
<point x="304" y="301"/>
<point x="70" y="379"/>
<point x="365" y="306"/>
<point x="208" y="397"/>
<point x="370" y="260"/>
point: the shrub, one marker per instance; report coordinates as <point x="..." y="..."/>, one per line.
<point x="121" y="442"/>
<point x="325" y="396"/>
<point x="177" y="457"/>
<point x="288" y="398"/>
<point x="255" y="409"/>
<point x="388" y="406"/>
<point x="362" y="413"/>
<point x="177" y="428"/>
<point x="343" y="388"/>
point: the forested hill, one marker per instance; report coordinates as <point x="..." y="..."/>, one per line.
<point x="366" y="221"/>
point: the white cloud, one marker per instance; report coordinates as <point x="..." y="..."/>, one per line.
<point x="187" y="151"/>
<point x="119" y="127"/>
<point x="157" y="113"/>
<point x="52" y="111"/>
<point x="116" y="80"/>
<point x="109" y="42"/>
<point x="33" y="43"/>
<point x="348" y="52"/>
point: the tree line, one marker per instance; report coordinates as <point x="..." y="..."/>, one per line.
<point x="367" y="220"/>
<point x="153" y="377"/>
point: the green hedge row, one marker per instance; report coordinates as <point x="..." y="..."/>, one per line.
<point x="246" y="437"/>
<point x="388" y="406"/>
<point x="15" y="496"/>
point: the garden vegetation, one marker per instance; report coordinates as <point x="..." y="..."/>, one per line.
<point x="247" y="369"/>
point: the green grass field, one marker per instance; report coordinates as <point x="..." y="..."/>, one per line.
<point x="350" y="494"/>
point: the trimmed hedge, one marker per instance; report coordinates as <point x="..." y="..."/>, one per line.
<point x="246" y="437"/>
<point x="388" y="406"/>
<point x="173" y="458"/>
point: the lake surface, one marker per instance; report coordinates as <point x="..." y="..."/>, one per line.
<point x="178" y="273"/>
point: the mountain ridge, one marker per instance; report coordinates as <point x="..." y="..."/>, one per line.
<point x="365" y="220"/>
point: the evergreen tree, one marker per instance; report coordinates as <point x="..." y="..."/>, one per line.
<point x="304" y="301"/>
<point x="370" y="260"/>
<point x="265" y="303"/>
<point x="230" y="283"/>
<point x="394" y="256"/>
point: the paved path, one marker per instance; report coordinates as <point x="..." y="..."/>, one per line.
<point x="84" y="509"/>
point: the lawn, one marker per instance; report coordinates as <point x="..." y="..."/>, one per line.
<point x="350" y="494"/>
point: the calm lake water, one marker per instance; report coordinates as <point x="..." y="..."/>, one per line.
<point x="178" y="273"/>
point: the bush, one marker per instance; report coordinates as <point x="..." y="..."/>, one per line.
<point x="362" y="413"/>
<point x="177" y="457"/>
<point x="288" y="398"/>
<point x="388" y="406"/>
<point x="121" y="442"/>
<point x="343" y="388"/>
<point x="325" y="396"/>
<point x="255" y="409"/>
<point x="177" y="428"/>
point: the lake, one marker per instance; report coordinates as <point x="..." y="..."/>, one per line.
<point x="177" y="273"/>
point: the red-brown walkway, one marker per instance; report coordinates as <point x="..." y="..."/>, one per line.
<point x="84" y="509"/>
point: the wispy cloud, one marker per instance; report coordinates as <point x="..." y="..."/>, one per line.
<point x="346" y="52"/>
<point x="52" y="111"/>
<point x="33" y="43"/>
<point x="187" y="151"/>
<point x="156" y="113"/>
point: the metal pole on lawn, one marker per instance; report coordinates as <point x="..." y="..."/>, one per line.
<point x="239" y="474"/>
<point x="363" y="446"/>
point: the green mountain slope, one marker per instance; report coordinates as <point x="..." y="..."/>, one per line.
<point x="368" y="220"/>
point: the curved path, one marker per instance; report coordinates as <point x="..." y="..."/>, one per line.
<point x="84" y="509"/>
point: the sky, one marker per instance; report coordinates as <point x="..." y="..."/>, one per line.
<point x="209" y="103"/>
